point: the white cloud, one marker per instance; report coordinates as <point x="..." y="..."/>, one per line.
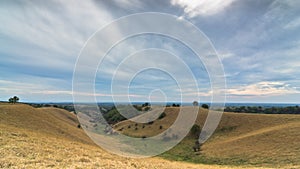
<point x="225" y="55"/>
<point x="263" y="89"/>
<point x="202" y="7"/>
<point x="128" y="3"/>
<point x="52" y="32"/>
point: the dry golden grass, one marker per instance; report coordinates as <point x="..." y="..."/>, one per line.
<point x="49" y="138"/>
<point x="139" y="129"/>
<point x="252" y="139"/>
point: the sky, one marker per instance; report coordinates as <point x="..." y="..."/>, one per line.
<point x="258" y="43"/>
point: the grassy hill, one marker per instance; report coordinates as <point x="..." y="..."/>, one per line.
<point x="49" y="138"/>
<point x="240" y="139"/>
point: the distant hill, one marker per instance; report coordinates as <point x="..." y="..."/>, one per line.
<point x="49" y="138"/>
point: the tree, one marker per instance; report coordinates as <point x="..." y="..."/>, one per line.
<point x="14" y="99"/>
<point x="197" y="146"/>
<point x="162" y="115"/>
<point x="205" y="106"/>
<point x="195" y="130"/>
<point x="195" y="103"/>
<point x="146" y="104"/>
<point x="11" y="100"/>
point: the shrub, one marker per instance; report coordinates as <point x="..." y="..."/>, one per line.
<point x="147" y="108"/>
<point x="150" y="122"/>
<point x="205" y="106"/>
<point x="146" y="104"/>
<point x="160" y="127"/>
<point x="162" y="115"/>
<point x="195" y="130"/>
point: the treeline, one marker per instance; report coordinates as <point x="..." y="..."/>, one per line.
<point x="113" y="116"/>
<point x="262" y="110"/>
<point x="68" y="107"/>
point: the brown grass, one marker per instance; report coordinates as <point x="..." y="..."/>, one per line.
<point x="49" y="138"/>
<point x="251" y="139"/>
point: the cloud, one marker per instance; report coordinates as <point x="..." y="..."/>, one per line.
<point x="128" y="3"/>
<point x="194" y="8"/>
<point x="263" y="89"/>
<point x="47" y="35"/>
<point x="258" y="42"/>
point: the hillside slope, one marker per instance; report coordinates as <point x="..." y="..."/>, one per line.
<point x="240" y="139"/>
<point x="49" y="138"/>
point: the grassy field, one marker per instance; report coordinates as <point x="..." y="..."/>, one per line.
<point x="240" y="139"/>
<point x="49" y="138"/>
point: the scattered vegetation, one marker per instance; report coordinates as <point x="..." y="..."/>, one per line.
<point x="262" y="110"/>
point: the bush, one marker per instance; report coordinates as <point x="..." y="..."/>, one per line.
<point x="150" y="122"/>
<point x="205" y="106"/>
<point x="162" y="115"/>
<point x="147" y="108"/>
<point x="175" y="105"/>
<point x="160" y="127"/>
<point x="146" y="104"/>
<point x="195" y="130"/>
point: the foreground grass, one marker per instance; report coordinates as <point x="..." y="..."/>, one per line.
<point x="49" y="138"/>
